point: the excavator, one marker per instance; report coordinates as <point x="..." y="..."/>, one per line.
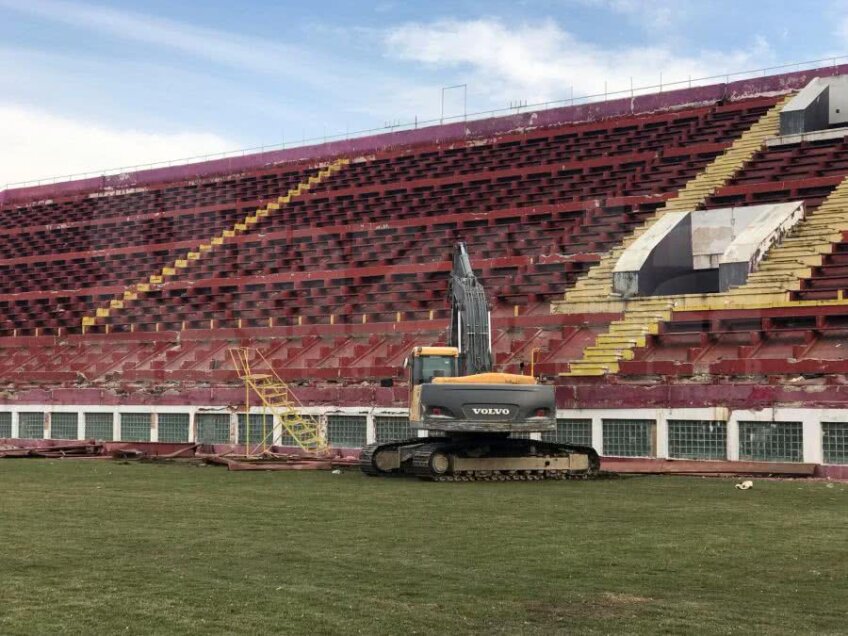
<point x="477" y="420"/>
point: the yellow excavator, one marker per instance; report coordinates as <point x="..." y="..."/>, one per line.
<point x="477" y="420"/>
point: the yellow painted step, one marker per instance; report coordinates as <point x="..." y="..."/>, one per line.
<point x="156" y="279"/>
<point x="607" y="355"/>
<point x="624" y="341"/>
<point x="102" y="312"/>
<point x="88" y="321"/>
<point x="587" y="369"/>
<point x="116" y="304"/>
<point x="634" y="330"/>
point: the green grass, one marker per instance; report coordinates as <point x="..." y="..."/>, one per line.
<point x="102" y="547"/>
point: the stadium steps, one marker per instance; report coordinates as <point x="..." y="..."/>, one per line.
<point x="133" y="292"/>
<point x="642" y="316"/>
<point x="771" y="286"/>
<point x="597" y="284"/>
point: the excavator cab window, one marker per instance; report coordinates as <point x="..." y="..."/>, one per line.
<point x="425" y="368"/>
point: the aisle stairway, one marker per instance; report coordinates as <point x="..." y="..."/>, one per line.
<point x="132" y="292"/>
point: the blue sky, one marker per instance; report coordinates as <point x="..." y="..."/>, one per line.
<point x="92" y="85"/>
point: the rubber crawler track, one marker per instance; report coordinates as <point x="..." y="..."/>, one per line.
<point x="421" y="462"/>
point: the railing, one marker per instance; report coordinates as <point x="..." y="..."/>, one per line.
<point x="416" y="123"/>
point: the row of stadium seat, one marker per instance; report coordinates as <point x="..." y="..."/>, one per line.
<point x="566" y="146"/>
<point x="780" y="340"/>
<point x="555" y="230"/>
<point x="261" y="185"/>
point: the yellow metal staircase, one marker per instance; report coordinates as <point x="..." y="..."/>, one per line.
<point x="132" y="292"/>
<point x="276" y="398"/>
<point x="641" y="316"/>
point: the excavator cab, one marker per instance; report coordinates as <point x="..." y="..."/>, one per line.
<point x="428" y="363"/>
<point x="425" y="365"/>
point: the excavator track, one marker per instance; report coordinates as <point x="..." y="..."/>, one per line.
<point x="369" y="458"/>
<point x="486" y="459"/>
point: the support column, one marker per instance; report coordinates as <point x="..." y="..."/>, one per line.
<point x="322" y="426"/>
<point x="116" y="426"/>
<point x="733" y="437"/>
<point x="370" y="430"/>
<point x="234" y="427"/>
<point x="598" y="434"/>
<point x="16" y="424"/>
<point x="81" y="425"/>
<point x="813" y="452"/>
<point x="662" y="435"/>
<point x="47" y="425"/>
<point x="277" y="437"/>
<point x="154" y="427"/>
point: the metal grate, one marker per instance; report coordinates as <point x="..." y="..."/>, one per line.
<point x="31" y="425"/>
<point x="64" y="426"/>
<point x="5" y="425"/>
<point x="697" y="439"/>
<point x="834" y="442"/>
<point x="135" y="427"/>
<point x="629" y="438"/>
<point x="348" y="431"/>
<point x="771" y="441"/>
<point x="173" y="427"/>
<point x="259" y="430"/>
<point x="213" y="428"/>
<point x="567" y="431"/>
<point x="99" y="426"/>
<point x="391" y="427"/>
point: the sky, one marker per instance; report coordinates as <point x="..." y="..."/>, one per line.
<point x="91" y="86"/>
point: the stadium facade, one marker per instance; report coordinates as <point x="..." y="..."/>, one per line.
<point x="676" y="263"/>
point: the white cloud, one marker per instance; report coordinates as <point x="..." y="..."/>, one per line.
<point x="37" y="145"/>
<point x="540" y="61"/>
<point x="229" y="49"/>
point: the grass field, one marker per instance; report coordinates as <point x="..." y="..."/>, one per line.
<point x="102" y="547"/>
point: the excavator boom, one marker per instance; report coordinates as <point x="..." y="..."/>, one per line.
<point x="471" y="323"/>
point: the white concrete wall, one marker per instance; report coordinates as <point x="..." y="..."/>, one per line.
<point x="838" y="99"/>
<point x="811" y="419"/>
<point x="714" y="230"/>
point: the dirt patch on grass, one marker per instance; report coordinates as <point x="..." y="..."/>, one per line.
<point x="603" y="606"/>
<point x="617" y="598"/>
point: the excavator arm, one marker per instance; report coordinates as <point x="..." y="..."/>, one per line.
<point x="471" y="323"/>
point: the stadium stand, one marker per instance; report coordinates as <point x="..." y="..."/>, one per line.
<point x="334" y="260"/>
